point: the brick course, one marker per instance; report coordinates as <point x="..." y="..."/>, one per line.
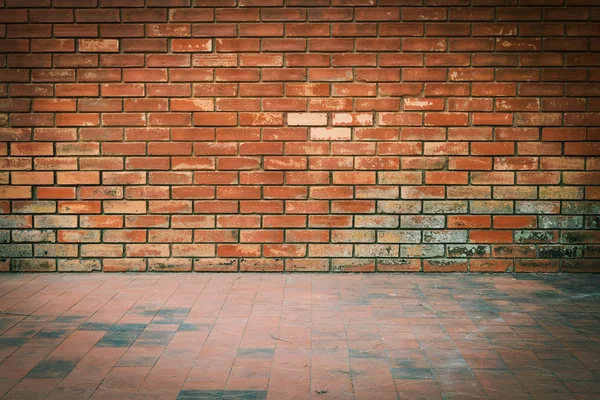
<point x="315" y="135"/>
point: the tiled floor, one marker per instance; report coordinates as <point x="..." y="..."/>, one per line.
<point x="256" y="336"/>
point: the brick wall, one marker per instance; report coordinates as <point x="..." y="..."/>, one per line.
<point x="326" y="135"/>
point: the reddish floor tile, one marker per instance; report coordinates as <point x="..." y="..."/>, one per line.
<point x="29" y="388"/>
<point x="305" y="336"/>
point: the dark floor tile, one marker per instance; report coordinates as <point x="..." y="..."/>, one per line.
<point x="154" y="339"/>
<point x="12" y="341"/>
<point x="195" y="327"/>
<point x="168" y="320"/>
<point x="144" y="312"/>
<point x="412" y="373"/>
<point x="173" y="311"/>
<point x="222" y="395"/>
<point x="244" y="395"/>
<point x="128" y="327"/>
<point x="118" y="339"/>
<point x="200" y="395"/>
<point x="94" y="326"/>
<point x="54" y="334"/>
<point x="52" y="368"/>
<point x="138" y="362"/>
<point x="69" y="318"/>
<point x="255" y="353"/>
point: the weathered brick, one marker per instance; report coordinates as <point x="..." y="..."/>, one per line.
<point x="445" y="207"/>
<point x="537" y="265"/>
<point x="352" y="265"/>
<point x="445" y="236"/>
<point x="422" y="250"/>
<point x="536" y="236"/>
<point x="422" y="221"/>
<point x="468" y="251"/>
<point x="398" y="265"/>
<point x="16" y="250"/>
<point x="330" y="133"/>
<point x="490" y="265"/>
<point x="16" y="221"/>
<point x="170" y="264"/>
<point x="445" y="265"/>
<point x="56" y="250"/>
<point x="34" y="235"/>
<point x="74" y="265"/>
<point x="306" y="265"/>
<point x="491" y="207"/>
<point x="537" y="207"/>
<point x="376" y="250"/>
<point x="33" y="265"/>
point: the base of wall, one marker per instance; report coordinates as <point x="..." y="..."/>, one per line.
<point x="299" y="265"/>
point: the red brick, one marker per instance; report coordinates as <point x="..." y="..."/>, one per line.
<point x="490" y="265"/>
<point x="99" y="45"/>
<point x="445" y="265"/>
<point x="514" y="222"/>
<point x="537" y="265"/>
<point x="274" y="119"/>
<point x="490" y="236"/>
<point x="191" y="45"/>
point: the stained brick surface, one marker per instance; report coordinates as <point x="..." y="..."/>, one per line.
<point x="299" y="135"/>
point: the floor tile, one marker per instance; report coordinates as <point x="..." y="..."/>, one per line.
<point x="312" y="336"/>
